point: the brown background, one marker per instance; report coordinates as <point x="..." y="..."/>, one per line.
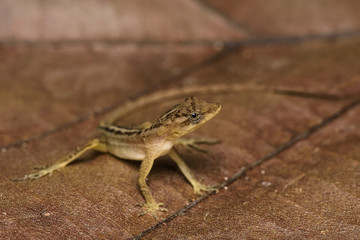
<point x="62" y="61"/>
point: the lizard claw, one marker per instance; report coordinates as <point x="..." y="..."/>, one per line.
<point x="199" y="187"/>
<point x="36" y="175"/>
<point x="152" y="208"/>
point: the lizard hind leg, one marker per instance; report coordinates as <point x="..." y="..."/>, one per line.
<point x="63" y="162"/>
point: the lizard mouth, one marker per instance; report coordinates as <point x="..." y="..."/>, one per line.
<point x="214" y="109"/>
<point x="218" y="108"/>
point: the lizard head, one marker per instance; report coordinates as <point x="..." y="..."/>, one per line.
<point x="187" y="116"/>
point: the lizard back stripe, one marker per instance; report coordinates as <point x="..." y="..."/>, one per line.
<point x="120" y="131"/>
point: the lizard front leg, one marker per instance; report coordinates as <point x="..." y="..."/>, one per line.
<point x="193" y="143"/>
<point x="198" y="187"/>
<point x="150" y="205"/>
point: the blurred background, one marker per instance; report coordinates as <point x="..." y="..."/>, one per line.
<point x="64" y="64"/>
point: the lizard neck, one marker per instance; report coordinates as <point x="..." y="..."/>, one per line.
<point x="168" y="132"/>
<point x="164" y="131"/>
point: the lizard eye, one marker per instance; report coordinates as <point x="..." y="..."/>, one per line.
<point x="195" y="117"/>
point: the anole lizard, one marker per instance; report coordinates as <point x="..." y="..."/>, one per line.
<point x="147" y="142"/>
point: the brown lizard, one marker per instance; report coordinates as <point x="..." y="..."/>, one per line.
<point x="147" y="142"/>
